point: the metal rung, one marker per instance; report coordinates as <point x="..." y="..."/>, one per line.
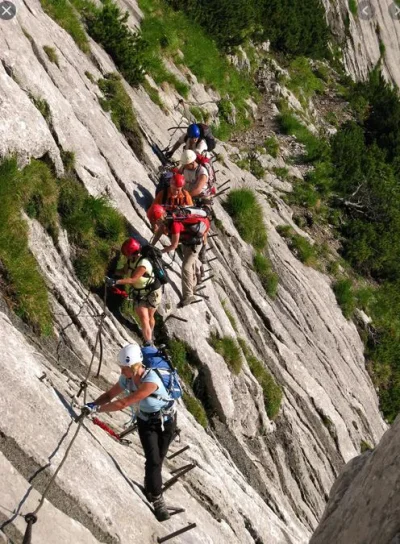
<point x="204" y="297"/>
<point x="161" y="539"/>
<point x="211" y="260"/>
<point x="176" y="317"/>
<point x="206" y="279"/>
<point x="127" y="431"/>
<point x="176" y="470"/>
<point x="200" y="288"/>
<point x="178" y="452"/>
<point x="175" y="478"/>
<point x="173" y="511"/>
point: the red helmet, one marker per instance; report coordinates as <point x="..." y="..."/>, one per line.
<point x="156" y="212"/>
<point x="179" y="180"/>
<point x="130" y="247"/>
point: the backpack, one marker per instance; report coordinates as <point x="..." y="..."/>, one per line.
<point x="195" y="229"/>
<point x="159" y="361"/>
<point x="154" y="255"/>
<point x="205" y="161"/>
<point x="164" y="181"/>
<point x="207" y="135"/>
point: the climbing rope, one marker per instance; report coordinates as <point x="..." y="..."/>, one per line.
<point x="32" y="517"/>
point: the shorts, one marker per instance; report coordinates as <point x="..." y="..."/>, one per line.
<point x="151" y="300"/>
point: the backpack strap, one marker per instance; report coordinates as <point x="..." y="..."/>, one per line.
<point x="165" y="196"/>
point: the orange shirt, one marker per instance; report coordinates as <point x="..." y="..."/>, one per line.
<point x="183" y="198"/>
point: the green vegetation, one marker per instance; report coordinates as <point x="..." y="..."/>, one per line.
<point x="184" y="359"/>
<point x="65" y="15"/>
<point x="271" y="145"/>
<point x="108" y="26"/>
<point x="299" y="245"/>
<point x="282" y="173"/>
<point x="94" y="228"/>
<point x="269" y="279"/>
<point x="43" y="106"/>
<point x="195" y="407"/>
<point x="118" y="102"/>
<point x="365" y="446"/>
<point x="353" y="7"/>
<point x="303" y="80"/>
<point x="153" y="94"/>
<point x="90" y="77"/>
<point x="68" y="159"/>
<point x="229" y="315"/>
<point x="343" y="290"/>
<point x="272" y="392"/>
<point x="229" y="350"/>
<point x="297" y="27"/>
<point x="35" y="190"/>
<point x="255" y="167"/>
<point x="247" y="215"/>
<point x="315" y="147"/>
<point x="51" y="53"/>
<point x="170" y="33"/>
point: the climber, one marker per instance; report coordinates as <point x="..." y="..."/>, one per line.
<point x="190" y="231"/>
<point x="146" y="289"/>
<point x="156" y="417"/>
<point x="175" y="195"/>
<point x="194" y="139"/>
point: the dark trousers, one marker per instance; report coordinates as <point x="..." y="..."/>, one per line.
<point x="155" y="442"/>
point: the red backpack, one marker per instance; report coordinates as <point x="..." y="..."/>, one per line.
<point x="195" y="229"/>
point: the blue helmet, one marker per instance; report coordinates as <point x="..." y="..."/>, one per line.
<point x="193" y="131"/>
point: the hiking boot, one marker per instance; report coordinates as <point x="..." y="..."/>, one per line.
<point x="160" y="508"/>
<point x="188" y="300"/>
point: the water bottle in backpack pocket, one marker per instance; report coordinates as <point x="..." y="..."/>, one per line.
<point x="154" y="255"/>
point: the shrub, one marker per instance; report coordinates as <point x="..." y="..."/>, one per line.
<point x="118" y="102"/>
<point x="68" y="159"/>
<point x="256" y="168"/>
<point x="42" y="105"/>
<point x="153" y="94"/>
<point x="51" y="53"/>
<point x="315" y="147"/>
<point x="343" y="290"/>
<point x="271" y="145"/>
<point x="271" y="391"/>
<point x="299" y="245"/>
<point x="26" y="288"/>
<point x="262" y="265"/>
<point x="353" y="7"/>
<point x="179" y="355"/>
<point x="303" y="81"/>
<point x="195" y="407"/>
<point x="65" y="15"/>
<point x="282" y="173"/>
<point x="90" y="77"/>
<point x="171" y="33"/>
<point x="94" y="227"/>
<point x="247" y="215"/>
<point x="229" y="350"/>
<point x="108" y="26"/>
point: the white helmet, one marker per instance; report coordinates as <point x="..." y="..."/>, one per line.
<point x="187" y="157"/>
<point x="130" y="354"/>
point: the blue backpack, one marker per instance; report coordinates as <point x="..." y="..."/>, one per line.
<point x="159" y="361"/>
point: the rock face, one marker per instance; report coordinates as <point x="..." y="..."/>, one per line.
<point x="367" y="37"/>
<point x="255" y="480"/>
<point x="372" y="479"/>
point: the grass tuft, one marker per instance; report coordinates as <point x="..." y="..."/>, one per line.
<point x="229" y="350"/>
<point x="271" y="145"/>
<point x="52" y="54"/>
<point x="247" y="215"/>
<point x="272" y="392"/>
<point x="345" y="297"/>
<point x="117" y="101"/>
<point x="269" y="279"/>
<point x="64" y="14"/>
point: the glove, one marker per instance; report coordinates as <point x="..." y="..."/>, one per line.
<point x="91" y="407"/>
<point x="168" y="154"/>
<point x="110" y="282"/>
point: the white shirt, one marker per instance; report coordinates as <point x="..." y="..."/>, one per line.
<point x="200" y="147"/>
